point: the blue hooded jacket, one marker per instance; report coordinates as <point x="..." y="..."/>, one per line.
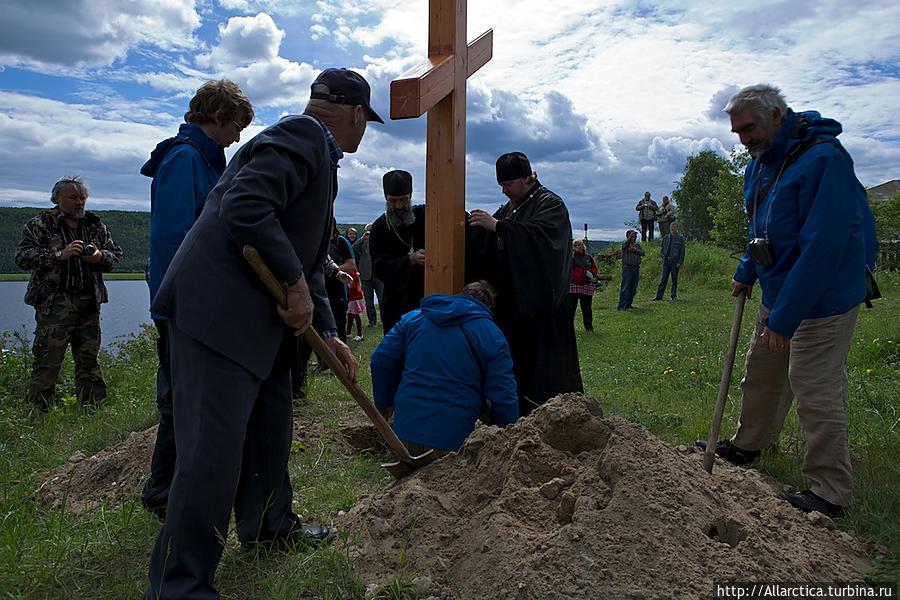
<point x="817" y="219"/>
<point x="425" y="370"/>
<point x="184" y="169"/>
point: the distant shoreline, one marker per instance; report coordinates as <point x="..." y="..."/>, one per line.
<point x="108" y="276"/>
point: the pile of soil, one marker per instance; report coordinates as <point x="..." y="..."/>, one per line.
<point x="568" y="504"/>
<point x="116" y="474"/>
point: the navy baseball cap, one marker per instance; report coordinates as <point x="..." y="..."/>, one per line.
<point x="343" y="86"/>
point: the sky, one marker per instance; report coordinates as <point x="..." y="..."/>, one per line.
<point x="607" y="98"/>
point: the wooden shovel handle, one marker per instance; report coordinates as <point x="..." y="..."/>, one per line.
<point x="276" y="288"/>
<point x="724" y="384"/>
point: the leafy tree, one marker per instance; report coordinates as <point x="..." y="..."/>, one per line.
<point x="887" y="226"/>
<point x="694" y="193"/>
<point x="727" y="211"/>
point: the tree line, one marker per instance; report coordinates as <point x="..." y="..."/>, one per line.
<point x="129" y="229"/>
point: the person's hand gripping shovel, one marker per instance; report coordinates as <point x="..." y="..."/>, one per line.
<point x="406" y="463"/>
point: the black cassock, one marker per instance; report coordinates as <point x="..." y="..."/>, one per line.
<point x="404" y="285"/>
<point x="528" y="260"/>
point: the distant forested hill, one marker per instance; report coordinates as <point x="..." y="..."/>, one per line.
<point x="131" y="230"/>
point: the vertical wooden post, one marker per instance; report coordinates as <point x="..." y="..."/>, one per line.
<point x="445" y="174"/>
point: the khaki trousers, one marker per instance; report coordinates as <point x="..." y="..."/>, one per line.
<point x="814" y="371"/>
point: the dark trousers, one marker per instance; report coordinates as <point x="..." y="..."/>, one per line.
<point x="587" y="313"/>
<point x="666" y="270"/>
<point x="299" y="368"/>
<point x="234" y="439"/>
<point x="339" y="310"/>
<point x="371" y="288"/>
<point x="647" y="229"/>
<point x="155" y="495"/>
<point x="628" y="287"/>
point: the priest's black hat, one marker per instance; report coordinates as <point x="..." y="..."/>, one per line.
<point x="513" y="165"/>
<point x="397" y="183"/>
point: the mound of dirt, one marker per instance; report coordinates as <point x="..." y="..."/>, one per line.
<point x="116" y="474"/>
<point x="568" y="504"/>
<point x="112" y="476"/>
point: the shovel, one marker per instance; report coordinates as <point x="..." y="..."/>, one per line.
<point x="710" y="454"/>
<point x="406" y="463"/>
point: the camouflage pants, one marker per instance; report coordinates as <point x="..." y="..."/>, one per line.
<point x="67" y="322"/>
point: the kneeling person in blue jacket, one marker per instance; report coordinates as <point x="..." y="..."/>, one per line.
<point x="437" y="366"/>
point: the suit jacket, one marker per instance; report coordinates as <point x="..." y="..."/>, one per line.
<point x="276" y="195"/>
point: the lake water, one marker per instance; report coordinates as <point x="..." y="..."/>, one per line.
<point x="127" y="309"/>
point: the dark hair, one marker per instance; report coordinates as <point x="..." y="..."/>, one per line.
<point x="220" y="96"/>
<point x="482" y="291"/>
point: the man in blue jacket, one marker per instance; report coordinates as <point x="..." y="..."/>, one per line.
<point x="811" y="237"/>
<point x="437" y="366"/>
<point x="184" y="169"/>
<point x="671" y="252"/>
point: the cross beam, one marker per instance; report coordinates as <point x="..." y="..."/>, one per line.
<point x="438" y="87"/>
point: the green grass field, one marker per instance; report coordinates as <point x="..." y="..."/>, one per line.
<point x="658" y="365"/>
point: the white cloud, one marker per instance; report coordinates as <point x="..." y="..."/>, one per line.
<point x="57" y="33"/>
<point x="244" y="40"/>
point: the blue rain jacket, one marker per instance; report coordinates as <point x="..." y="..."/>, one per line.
<point x="424" y="369"/>
<point x="184" y="169"/>
<point x="818" y="223"/>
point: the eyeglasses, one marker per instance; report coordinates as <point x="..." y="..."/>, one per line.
<point x="238" y="126"/>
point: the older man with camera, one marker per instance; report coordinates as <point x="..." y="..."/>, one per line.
<point x="811" y="239"/>
<point x="67" y="250"/>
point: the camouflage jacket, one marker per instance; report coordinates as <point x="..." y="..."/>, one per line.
<point x="42" y="238"/>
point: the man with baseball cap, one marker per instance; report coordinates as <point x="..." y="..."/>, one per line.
<point x="397" y="245"/>
<point x="526" y="254"/>
<point x="232" y="346"/>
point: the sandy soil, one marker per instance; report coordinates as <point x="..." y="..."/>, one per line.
<point x="569" y="504"/>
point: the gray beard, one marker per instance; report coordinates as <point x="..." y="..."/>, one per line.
<point x="398" y="219"/>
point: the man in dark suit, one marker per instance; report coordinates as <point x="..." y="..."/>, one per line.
<point x="231" y="347"/>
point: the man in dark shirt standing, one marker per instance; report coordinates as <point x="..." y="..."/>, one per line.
<point x="631" y="269"/>
<point x="672" y="254"/>
<point x="397" y="246"/>
<point x="525" y="252"/>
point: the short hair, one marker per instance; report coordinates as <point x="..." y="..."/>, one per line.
<point x="482" y="291"/>
<point x="219" y="96"/>
<point x="73" y="180"/>
<point x="761" y="98"/>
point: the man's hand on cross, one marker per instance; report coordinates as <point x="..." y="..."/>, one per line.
<point x="479" y="218"/>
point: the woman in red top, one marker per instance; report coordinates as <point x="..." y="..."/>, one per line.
<point x="356" y="305"/>
<point x="584" y="283"/>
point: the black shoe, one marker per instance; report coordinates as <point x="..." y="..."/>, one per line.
<point x="808" y="501"/>
<point x="728" y="451"/>
<point x="304" y="536"/>
<point x="655" y="299"/>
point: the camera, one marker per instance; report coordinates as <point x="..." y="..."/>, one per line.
<point x="88" y="249"/>
<point x="760" y="251"/>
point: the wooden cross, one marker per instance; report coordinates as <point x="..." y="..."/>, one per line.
<point x="438" y="87"/>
